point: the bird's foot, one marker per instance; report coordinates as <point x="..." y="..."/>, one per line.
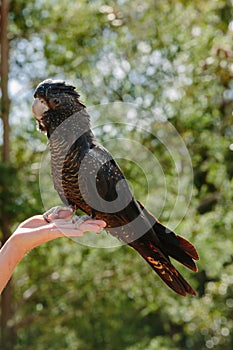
<point x="78" y="220"/>
<point x="53" y="213"/>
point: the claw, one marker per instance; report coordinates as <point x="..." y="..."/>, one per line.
<point x="78" y="220"/>
<point x="54" y="211"/>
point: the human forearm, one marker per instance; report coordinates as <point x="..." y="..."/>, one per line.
<point x="35" y="231"/>
<point x="10" y="256"/>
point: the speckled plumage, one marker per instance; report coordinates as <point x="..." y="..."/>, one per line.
<point x="87" y="177"/>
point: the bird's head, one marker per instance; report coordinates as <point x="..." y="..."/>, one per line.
<point x="54" y="101"/>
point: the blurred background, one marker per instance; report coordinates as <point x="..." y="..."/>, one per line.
<point x="169" y="58"/>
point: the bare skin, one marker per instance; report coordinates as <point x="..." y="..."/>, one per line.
<point x="36" y="231"/>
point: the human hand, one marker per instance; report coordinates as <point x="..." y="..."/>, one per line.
<point x="35" y="230"/>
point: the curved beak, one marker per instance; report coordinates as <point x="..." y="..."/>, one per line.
<point x="38" y="108"/>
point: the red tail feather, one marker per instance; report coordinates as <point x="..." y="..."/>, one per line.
<point x="188" y="248"/>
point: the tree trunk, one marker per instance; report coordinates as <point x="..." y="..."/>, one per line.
<point x="5" y="103"/>
<point x="6" y="297"/>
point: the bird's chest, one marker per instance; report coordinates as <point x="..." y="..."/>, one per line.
<point x="65" y="166"/>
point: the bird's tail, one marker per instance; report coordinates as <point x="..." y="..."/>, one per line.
<point x="158" y="245"/>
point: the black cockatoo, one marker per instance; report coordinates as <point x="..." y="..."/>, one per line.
<point x="86" y="177"/>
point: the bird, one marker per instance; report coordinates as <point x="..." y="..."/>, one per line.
<point x="87" y="178"/>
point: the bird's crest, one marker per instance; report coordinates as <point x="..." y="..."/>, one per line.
<point x="49" y="87"/>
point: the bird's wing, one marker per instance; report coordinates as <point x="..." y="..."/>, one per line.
<point x="107" y="191"/>
<point x="104" y="180"/>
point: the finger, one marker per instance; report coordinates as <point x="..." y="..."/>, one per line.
<point x="68" y="232"/>
<point x="90" y="227"/>
<point x="59" y="223"/>
<point x="100" y="223"/>
<point x="62" y="222"/>
<point x="82" y="227"/>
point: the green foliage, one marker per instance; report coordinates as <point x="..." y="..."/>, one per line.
<point x="9" y="191"/>
<point x="19" y="189"/>
<point x="172" y="61"/>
